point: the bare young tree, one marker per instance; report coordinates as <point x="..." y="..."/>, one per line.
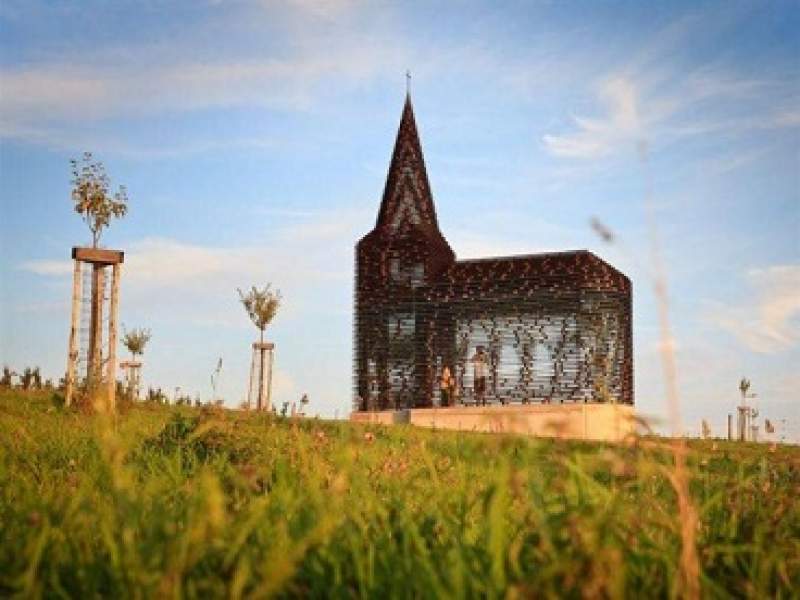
<point x="92" y="196"/>
<point x="6" y="377"/>
<point x="135" y="340"/>
<point x="261" y="305"/>
<point x="744" y="387"/>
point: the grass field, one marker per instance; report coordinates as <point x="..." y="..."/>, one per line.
<point x="164" y="502"/>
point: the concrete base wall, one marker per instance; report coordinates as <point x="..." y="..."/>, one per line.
<point x="606" y="422"/>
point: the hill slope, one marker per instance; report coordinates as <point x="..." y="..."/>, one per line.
<point x="210" y="503"/>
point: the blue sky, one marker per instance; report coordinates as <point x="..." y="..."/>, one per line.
<point x="254" y="138"/>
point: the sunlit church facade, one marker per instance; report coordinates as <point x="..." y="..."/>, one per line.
<point x="553" y="327"/>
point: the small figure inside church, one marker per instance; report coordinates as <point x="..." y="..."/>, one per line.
<point x="447" y="386"/>
<point x="479" y="373"/>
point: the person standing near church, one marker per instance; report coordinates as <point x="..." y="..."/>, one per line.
<point x="446" y="385"/>
<point x="479" y="374"/>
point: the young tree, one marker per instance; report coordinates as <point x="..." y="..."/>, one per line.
<point x="261" y="305"/>
<point x="135" y="340"/>
<point x="744" y="387"/>
<point x="92" y="196"/>
<point x="26" y="379"/>
<point x="5" y="378"/>
<point x="36" y="378"/>
<point x="156" y="396"/>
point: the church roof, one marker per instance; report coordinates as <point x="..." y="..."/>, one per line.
<point x="407" y="196"/>
<point x="583" y="268"/>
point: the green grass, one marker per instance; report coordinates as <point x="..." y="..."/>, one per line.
<point x="207" y="503"/>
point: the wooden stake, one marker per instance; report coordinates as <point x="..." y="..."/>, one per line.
<point x="250" y="382"/>
<point x="261" y="378"/>
<point x="72" y="355"/>
<point x="269" y="379"/>
<point x="94" y="366"/>
<point x="111" y="373"/>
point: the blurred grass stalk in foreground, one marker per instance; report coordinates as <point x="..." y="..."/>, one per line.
<point x="186" y="502"/>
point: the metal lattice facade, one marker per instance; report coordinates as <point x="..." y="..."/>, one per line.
<point x="544" y="327"/>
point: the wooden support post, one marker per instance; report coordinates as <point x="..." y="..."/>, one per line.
<point x="111" y="372"/>
<point x="137" y="382"/>
<point x="250" y="381"/>
<point x="269" y="378"/>
<point x="103" y="397"/>
<point x="72" y="352"/>
<point x="259" y="362"/>
<point x="95" y="361"/>
<point x="261" y="377"/>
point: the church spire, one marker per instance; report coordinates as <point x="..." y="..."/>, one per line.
<point x="407" y="198"/>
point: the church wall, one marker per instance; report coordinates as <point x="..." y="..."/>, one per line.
<point x="554" y="328"/>
<point x="540" y="349"/>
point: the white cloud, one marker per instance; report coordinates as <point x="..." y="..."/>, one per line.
<point x="655" y="99"/>
<point x="283" y="385"/>
<point x="327" y="9"/>
<point x="770" y="321"/>
<point x="54" y="92"/>
<point x="310" y="251"/>
<point x="51" y="99"/>
<point x="47" y="267"/>
<point x="512" y="235"/>
<point x="668" y="107"/>
<point x="598" y="136"/>
<point x="158" y="262"/>
<point x="468" y="244"/>
<point x="344" y="225"/>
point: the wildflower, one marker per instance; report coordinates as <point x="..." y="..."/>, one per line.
<point x="369" y="437"/>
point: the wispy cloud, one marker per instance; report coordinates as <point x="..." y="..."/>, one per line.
<point x="596" y="137"/>
<point x="770" y="321"/>
<point x="655" y="98"/>
<point x="154" y="264"/>
<point x="89" y="93"/>
<point x="47" y="267"/>
<point x="313" y="251"/>
<point x="52" y="98"/>
<point x="634" y="110"/>
<point x="328" y="9"/>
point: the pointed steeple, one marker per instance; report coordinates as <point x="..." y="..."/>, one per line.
<point x="407" y="198"/>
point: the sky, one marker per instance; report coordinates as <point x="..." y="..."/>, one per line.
<point x="254" y="138"/>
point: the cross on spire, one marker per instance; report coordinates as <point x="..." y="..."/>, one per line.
<point x="408" y="82"/>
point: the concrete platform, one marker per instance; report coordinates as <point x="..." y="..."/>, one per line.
<point x="596" y="421"/>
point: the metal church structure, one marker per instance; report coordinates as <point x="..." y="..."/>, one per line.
<point x="549" y="328"/>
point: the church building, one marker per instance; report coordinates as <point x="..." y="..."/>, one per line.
<point x="431" y="330"/>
